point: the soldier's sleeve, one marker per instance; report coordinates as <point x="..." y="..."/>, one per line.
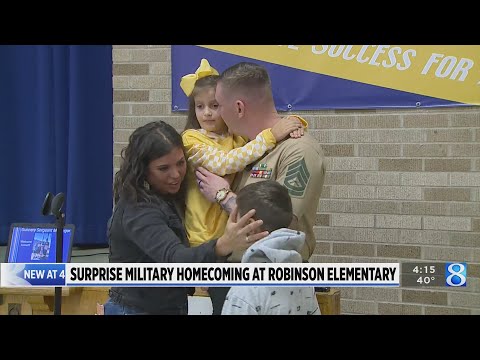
<point x="301" y="169"/>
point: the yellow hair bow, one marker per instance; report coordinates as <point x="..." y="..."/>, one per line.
<point x="188" y="81"/>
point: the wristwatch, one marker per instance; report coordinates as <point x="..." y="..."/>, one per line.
<point x="221" y="195"/>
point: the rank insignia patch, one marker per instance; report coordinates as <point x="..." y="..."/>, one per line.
<point x="297" y="178"/>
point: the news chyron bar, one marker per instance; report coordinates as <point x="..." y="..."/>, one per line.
<point x="411" y="274"/>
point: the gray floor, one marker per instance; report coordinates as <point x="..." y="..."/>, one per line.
<point x="78" y="255"/>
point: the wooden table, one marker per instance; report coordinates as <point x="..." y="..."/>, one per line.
<point x="83" y="300"/>
<point x="329" y="302"/>
<point x="40" y="301"/>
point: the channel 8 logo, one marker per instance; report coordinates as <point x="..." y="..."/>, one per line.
<point x="456" y="274"/>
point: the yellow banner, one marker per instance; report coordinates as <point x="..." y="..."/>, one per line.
<point x="450" y="72"/>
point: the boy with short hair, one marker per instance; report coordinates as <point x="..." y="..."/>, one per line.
<point x="273" y="205"/>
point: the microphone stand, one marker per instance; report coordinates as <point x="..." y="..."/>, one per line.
<point x="59" y="225"/>
<point x="53" y="206"/>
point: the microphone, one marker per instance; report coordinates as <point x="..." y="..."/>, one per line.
<point x="57" y="204"/>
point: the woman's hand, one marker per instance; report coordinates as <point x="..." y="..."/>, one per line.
<point x="236" y="236"/>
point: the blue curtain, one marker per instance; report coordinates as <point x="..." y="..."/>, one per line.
<point x="56" y="135"/>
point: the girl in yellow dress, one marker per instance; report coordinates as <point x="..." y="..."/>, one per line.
<point x="209" y="144"/>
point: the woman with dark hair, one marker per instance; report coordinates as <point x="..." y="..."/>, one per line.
<point x="146" y="225"/>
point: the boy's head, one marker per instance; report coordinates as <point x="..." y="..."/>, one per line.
<point x="271" y="202"/>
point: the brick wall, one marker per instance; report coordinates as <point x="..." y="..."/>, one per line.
<point x="402" y="185"/>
